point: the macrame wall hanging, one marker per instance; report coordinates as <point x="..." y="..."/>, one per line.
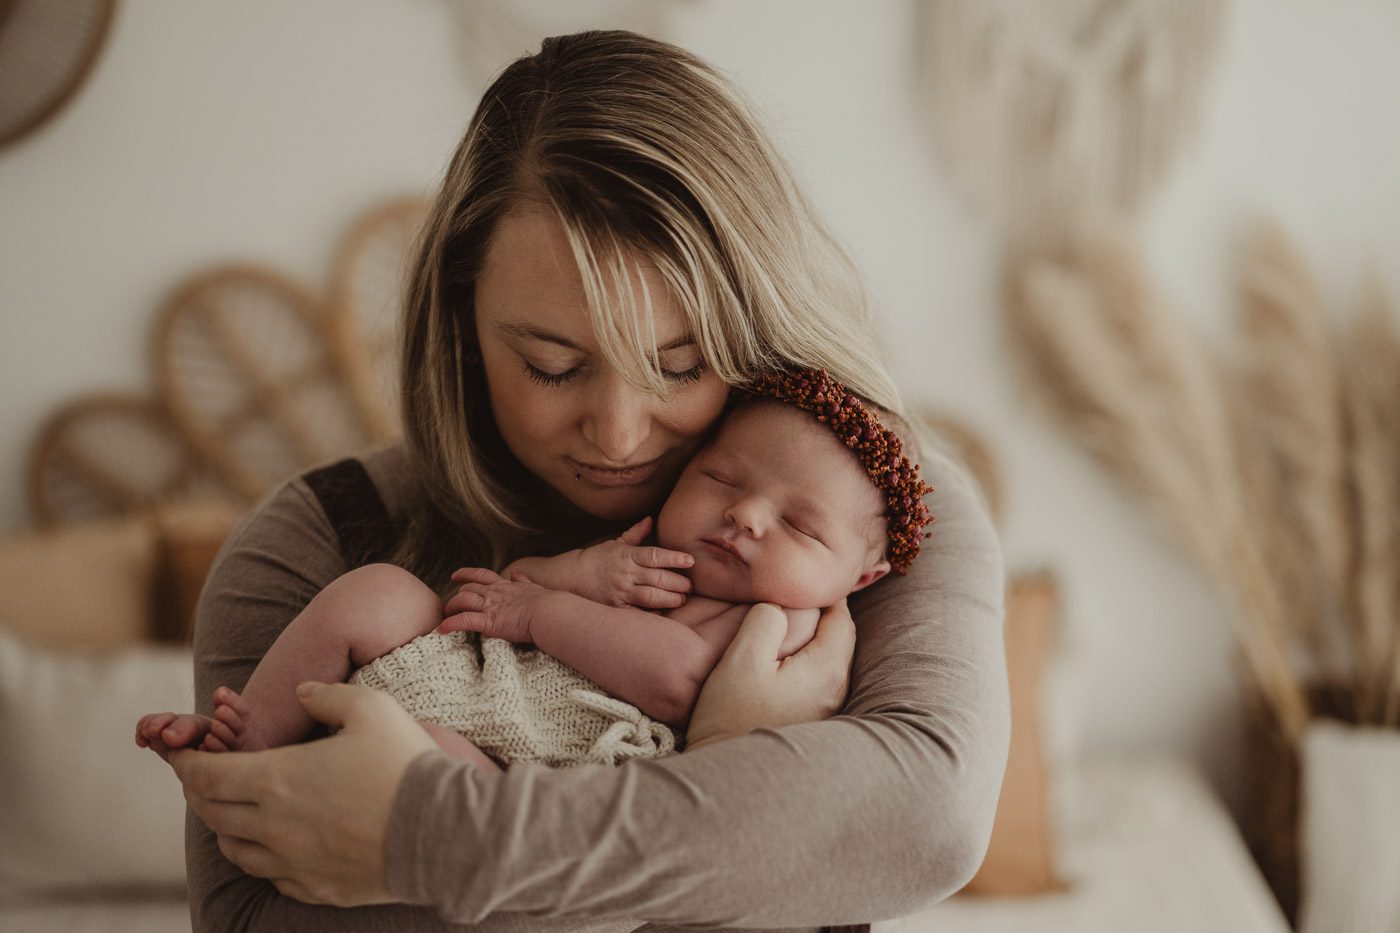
<point x="1049" y="111"/>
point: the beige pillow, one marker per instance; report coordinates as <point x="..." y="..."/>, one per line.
<point x="82" y="809"/>
<point x="1020" y="858"/>
<point x="87" y="586"/>
<point x="190" y="536"/>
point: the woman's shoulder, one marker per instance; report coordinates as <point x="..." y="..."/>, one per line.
<point x="299" y="516"/>
<point x="389" y="469"/>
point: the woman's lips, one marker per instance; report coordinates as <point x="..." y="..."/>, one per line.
<point x="615" y="476"/>
<point x="724" y="549"/>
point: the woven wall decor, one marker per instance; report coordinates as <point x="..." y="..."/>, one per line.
<point x="47" y="49"/>
<point x="243" y="364"/>
<point x="367" y="288"/>
<point x="1049" y="111"/>
<point x="111" y="454"/>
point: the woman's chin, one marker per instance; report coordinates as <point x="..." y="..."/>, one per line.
<point x="616" y="503"/>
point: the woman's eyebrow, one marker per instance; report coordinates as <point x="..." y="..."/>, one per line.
<point x="532" y="332"/>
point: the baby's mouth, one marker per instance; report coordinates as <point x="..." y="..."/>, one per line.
<point x="725" y="549"/>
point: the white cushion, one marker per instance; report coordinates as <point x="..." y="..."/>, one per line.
<point x="81" y="807"/>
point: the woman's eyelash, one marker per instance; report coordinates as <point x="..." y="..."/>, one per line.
<point x="538" y="375"/>
<point x="549" y="379"/>
<point x="685" y="375"/>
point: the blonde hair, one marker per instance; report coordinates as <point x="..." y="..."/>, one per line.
<point x="642" y="152"/>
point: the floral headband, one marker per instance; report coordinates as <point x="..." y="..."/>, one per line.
<point x="879" y="450"/>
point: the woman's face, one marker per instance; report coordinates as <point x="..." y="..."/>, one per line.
<point x="607" y="447"/>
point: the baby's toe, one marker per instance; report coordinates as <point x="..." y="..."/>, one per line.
<point x="221" y="731"/>
<point x="227" y="716"/>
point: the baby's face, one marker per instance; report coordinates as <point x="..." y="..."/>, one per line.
<point x="776" y="509"/>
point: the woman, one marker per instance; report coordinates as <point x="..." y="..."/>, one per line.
<point x="615" y="244"/>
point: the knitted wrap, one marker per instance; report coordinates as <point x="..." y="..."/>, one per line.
<point x="514" y="703"/>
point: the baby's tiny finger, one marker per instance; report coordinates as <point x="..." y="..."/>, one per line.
<point x="462" y="622"/>
<point x="464" y="601"/>
<point x="664" y="580"/>
<point x="662" y="557"/>
<point x="647" y="597"/>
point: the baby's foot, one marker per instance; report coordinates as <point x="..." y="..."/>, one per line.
<point x="164" y="732"/>
<point x="233" y="728"/>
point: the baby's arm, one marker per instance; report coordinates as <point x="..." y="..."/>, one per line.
<point x="655" y="663"/>
<point x="617" y="572"/>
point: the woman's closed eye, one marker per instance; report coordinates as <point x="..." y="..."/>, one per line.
<point x="685" y="376"/>
<point x="547" y="378"/>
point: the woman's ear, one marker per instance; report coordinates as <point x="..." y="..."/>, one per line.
<point x="871" y="575"/>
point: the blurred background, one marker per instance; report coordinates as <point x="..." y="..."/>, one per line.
<point x="259" y="133"/>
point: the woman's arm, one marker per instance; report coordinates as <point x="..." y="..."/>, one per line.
<point x="872" y="814"/>
<point x="281" y="556"/>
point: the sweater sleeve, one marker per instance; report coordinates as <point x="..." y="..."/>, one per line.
<point x="281" y="555"/>
<point x="871" y="814"/>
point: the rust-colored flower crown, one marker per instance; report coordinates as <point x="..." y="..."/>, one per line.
<point x="879" y="450"/>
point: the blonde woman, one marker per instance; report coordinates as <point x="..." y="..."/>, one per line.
<point x="615" y="245"/>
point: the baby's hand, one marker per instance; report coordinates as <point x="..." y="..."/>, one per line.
<point x="491" y="605"/>
<point x="621" y="572"/>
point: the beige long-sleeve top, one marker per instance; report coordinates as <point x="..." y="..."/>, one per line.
<point x="871" y="814"/>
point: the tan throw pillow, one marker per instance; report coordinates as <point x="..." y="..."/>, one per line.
<point x="1020" y="859"/>
<point x="85" y="586"/>
<point x="82" y="809"/>
<point x="190" y="536"/>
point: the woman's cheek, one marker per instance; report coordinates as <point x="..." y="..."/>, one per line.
<point x="701" y="407"/>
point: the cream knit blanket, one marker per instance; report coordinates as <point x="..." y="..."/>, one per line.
<point x="515" y="704"/>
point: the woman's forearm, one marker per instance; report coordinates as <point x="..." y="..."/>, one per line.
<point x="850" y="818"/>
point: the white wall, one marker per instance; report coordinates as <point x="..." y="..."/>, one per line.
<point x="212" y="132"/>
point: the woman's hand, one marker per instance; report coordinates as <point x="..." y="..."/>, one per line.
<point x="312" y="818"/>
<point x="751" y="689"/>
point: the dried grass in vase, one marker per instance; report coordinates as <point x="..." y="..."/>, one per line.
<point x="1370" y="361"/>
<point x="1291" y="426"/>
<point x="1122" y="375"/>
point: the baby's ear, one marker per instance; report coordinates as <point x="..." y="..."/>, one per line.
<point x="871" y="575"/>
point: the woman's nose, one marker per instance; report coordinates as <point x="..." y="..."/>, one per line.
<point x="619" y="420"/>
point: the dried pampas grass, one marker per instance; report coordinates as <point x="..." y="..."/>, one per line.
<point x="1280" y="476"/>
<point x="1292" y="425"/>
<point x="1126" y="379"/>
<point x="1370" y="360"/>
